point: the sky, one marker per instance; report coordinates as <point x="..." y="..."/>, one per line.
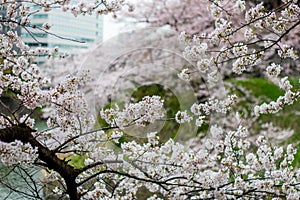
<point x="111" y="27"/>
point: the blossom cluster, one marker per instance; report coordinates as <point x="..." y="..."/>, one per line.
<point x="184" y="74"/>
<point x="17" y="153"/>
<point x="178" y="170"/>
<point x="202" y="110"/>
<point x="273" y="70"/>
<point x="145" y="111"/>
<point x="68" y="107"/>
<point x="274" y="106"/>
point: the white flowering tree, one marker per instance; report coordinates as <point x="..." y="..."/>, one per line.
<point x="192" y="16"/>
<point x="222" y="165"/>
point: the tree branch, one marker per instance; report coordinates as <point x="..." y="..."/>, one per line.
<point x="24" y="134"/>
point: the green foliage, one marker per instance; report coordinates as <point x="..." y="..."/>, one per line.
<point x="76" y="161"/>
<point x="259" y="87"/>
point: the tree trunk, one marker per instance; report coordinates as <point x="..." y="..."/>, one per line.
<point x="72" y="189"/>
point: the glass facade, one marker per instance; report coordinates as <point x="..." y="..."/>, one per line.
<point x="85" y="29"/>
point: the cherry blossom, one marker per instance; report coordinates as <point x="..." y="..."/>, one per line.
<point x="226" y="163"/>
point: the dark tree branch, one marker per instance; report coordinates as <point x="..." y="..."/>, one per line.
<point x="24" y="134"/>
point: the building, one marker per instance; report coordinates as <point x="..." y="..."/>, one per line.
<point x="85" y="29"/>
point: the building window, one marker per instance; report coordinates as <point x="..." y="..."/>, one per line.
<point x="40" y="16"/>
